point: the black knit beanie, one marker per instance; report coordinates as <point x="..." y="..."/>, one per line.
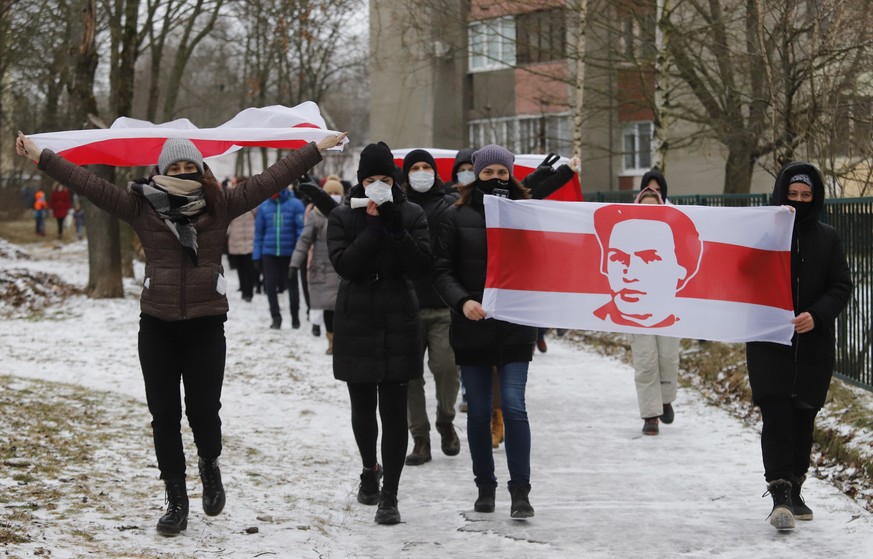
<point x="414" y="157"/>
<point x="376" y="159"/>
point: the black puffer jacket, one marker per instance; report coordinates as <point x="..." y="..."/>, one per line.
<point x="434" y="202"/>
<point x="821" y="285"/>
<point x="459" y="275"/>
<point x="377" y="332"/>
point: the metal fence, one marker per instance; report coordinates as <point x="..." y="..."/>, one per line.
<point x="853" y="218"/>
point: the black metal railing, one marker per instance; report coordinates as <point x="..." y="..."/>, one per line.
<point x="853" y="218"/>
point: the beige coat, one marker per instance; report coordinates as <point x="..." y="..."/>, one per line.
<point x="241" y="233"/>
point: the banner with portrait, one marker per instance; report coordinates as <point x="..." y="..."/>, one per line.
<point x="721" y="274"/>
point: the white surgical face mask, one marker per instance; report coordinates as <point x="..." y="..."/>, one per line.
<point x="421" y="181"/>
<point x="378" y="192"/>
<point x="466" y="177"/>
<point x="338" y="198"/>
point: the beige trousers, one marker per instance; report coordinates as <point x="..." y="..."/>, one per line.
<point x="656" y="371"/>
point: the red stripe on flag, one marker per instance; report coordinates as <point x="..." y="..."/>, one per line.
<point x="570" y="263"/>
<point x="129" y="152"/>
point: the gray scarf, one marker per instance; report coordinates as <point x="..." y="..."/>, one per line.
<point x="177" y="201"/>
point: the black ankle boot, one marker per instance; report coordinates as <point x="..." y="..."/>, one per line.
<point x="521" y="507"/>
<point x="485" y="502"/>
<point x="798" y="507"/>
<point x="176" y="518"/>
<point x="368" y="491"/>
<point x="781" y="517"/>
<point x="387" y="512"/>
<point x="213" y="489"/>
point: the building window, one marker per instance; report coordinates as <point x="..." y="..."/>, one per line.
<point x="525" y="134"/>
<point x="637" y="146"/>
<point x="492" y="44"/>
<point x="542" y="36"/>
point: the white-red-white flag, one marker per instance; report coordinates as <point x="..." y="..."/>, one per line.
<point x="130" y="142"/>
<point x="720" y="274"/>
<point x="524" y="165"/>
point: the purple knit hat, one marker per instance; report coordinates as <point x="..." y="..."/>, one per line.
<point x="491" y="154"/>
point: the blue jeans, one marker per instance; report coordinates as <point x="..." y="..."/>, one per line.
<point x="477" y="383"/>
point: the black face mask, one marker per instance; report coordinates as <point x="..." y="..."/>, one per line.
<point x="189" y="176"/>
<point x="488" y="186"/>
<point x="803" y="209"/>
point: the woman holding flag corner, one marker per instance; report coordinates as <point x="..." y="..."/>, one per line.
<point x="181" y="216"/>
<point x="790" y="382"/>
<point x="479" y="345"/>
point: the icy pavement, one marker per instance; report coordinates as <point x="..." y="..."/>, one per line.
<point x="599" y="487"/>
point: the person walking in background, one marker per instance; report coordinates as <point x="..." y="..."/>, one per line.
<point x="790" y="383"/>
<point x="462" y="170"/>
<point x="378" y="243"/>
<point x="656" y="362"/>
<point x="311" y="248"/>
<point x="40" y="209"/>
<point x="181" y="216"/>
<point x="481" y="343"/>
<point x="655" y="180"/>
<point x="79" y="218"/>
<point x="60" y="204"/>
<point x="240" y="243"/>
<point x="278" y="225"/>
<point x="423" y="187"/>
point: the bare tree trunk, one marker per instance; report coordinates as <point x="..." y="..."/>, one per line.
<point x="104" y="257"/>
<point x="660" y="143"/>
<point x="579" y="104"/>
<point x="738" y="170"/>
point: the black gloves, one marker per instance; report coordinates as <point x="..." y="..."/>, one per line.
<point x="392" y="218"/>
<point x="319" y="197"/>
<point x="258" y="266"/>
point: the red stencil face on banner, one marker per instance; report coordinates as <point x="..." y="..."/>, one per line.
<point x="647" y="257"/>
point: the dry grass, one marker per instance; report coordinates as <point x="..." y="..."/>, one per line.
<point x="22" y="231"/>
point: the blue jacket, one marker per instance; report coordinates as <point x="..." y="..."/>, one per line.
<point x="278" y="225"/>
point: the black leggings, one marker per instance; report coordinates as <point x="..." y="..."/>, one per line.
<point x="395" y="437"/>
<point x="786" y="438"/>
<point x="193" y="352"/>
<point x="328" y="321"/>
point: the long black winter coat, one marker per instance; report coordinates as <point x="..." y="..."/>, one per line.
<point x="377" y="332"/>
<point x="434" y="202"/>
<point x="821" y="285"/>
<point x="459" y="275"/>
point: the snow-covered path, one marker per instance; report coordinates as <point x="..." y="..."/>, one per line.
<point x="600" y="489"/>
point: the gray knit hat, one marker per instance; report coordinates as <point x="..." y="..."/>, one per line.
<point x="491" y="154"/>
<point x="179" y="149"/>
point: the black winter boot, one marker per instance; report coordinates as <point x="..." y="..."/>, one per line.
<point x="798" y="507"/>
<point x="368" y="491"/>
<point x="176" y="518"/>
<point x="485" y="502"/>
<point x="213" y="489"/>
<point x="781" y="516"/>
<point x="387" y="512"/>
<point x="521" y="507"/>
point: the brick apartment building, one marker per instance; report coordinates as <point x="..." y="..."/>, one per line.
<point x="456" y="73"/>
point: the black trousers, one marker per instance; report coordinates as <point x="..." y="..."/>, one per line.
<point x="786" y="438"/>
<point x="391" y="400"/>
<point x="191" y="352"/>
<point x="276" y="279"/>
<point x="328" y="321"/>
<point x="245" y="270"/>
